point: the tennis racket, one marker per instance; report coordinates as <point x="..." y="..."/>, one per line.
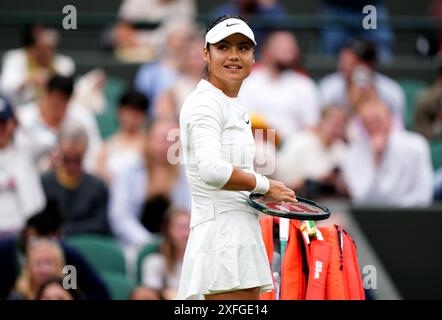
<point x="304" y="209"/>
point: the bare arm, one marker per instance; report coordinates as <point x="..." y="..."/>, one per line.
<point x="240" y="181"/>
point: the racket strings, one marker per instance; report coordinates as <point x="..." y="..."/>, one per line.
<point x="288" y="206"/>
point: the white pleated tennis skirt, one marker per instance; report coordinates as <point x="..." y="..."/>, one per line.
<point x="225" y="254"/>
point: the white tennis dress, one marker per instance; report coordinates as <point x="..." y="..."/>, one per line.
<point x="225" y="250"/>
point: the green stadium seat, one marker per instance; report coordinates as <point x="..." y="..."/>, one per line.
<point x="107" y="121"/>
<point x="436" y="154"/>
<point x="104" y="253"/>
<point x="143" y="253"/>
<point x="119" y="286"/>
<point x="411" y="88"/>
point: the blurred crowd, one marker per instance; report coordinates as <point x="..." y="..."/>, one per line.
<point x="343" y="136"/>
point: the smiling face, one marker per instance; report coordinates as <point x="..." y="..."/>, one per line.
<point x="229" y="61"/>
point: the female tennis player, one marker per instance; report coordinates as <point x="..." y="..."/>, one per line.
<point x="225" y="256"/>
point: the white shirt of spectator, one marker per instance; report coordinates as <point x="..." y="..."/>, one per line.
<point x="334" y="92"/>
<point x="304" y="156"/>
<point x="289" y="102"/>
<point x="39" y="140"/>
<point x="404" y="178"/>
<point x="21" y="193"/>
<point x="156" y="276"/>
<point x="15" y="71"/>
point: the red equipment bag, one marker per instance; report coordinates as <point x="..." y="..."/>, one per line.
<point x="320" y="268"/>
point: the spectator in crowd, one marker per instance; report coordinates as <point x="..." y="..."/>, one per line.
<point x="141" y="194"/>
<point x="144" y="24"/>
<point x="47" y="224"/>
<point x="82" y="197"/>
<point x="428" y="115"/>
<point x="309" y="161"/>
<point x="361" y="87"/>
<point x="153" y="79"/>
<point x="21" y="194"/>
<point x="287" y="99"/>
<point x="43" y="260"/>
<point x="170" y="102"/>
<point x="271" y="10"/>
<point x="335" y="36"/>
<point x="161" y="271"/>
<point x="53" y="289"/>
<point x="40" y="124"/>
<point x="390" y="166"/>
<point x="356" y="74"/>
<point x="26" y="71"/>
<point x="124" y="147"/>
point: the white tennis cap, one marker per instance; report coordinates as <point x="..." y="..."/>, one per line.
<point x="228" y="27"/>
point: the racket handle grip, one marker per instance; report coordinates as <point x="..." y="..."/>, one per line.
<point x="262" y="184"/>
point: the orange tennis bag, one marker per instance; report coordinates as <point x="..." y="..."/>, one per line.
<point x="324" y="267"/>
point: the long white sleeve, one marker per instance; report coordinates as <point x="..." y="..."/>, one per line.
<point x="205" y="128"/>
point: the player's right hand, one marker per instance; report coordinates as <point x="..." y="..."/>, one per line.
<point x="279" y="192"/>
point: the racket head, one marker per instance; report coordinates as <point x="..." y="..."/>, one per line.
<point x="305" y="209"/>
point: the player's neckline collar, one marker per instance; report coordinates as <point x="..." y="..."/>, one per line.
<point x="206" y="84"/>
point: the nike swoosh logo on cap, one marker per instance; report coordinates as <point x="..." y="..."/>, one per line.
<point x="232" y="24"/>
